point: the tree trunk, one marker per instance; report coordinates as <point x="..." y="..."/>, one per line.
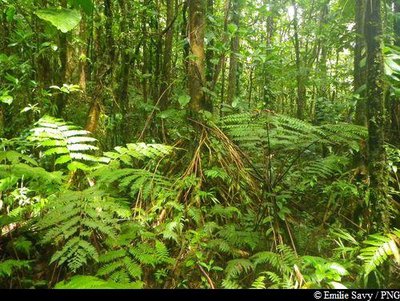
<point x="167" y="62"/>
<point x="376" y="112"/>
<point x="322" y="94"/>
<point x="196" y="68"/>
<point x="359" y="71"/>
<point x="300" y="78"/>
<point x="233" y="59"/>
<point x="184" y="34"/>
<point x="105" y="48"/>
<point x="210" y="50"/>
<point x="145" y="50"/>
<point x="62" y="75"/>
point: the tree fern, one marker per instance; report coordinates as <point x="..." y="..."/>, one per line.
<point x="277" y="131"/>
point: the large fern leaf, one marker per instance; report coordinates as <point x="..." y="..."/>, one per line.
<point x="379" y="249"/>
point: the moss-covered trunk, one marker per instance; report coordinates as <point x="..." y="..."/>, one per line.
<point x="376" y="112"/>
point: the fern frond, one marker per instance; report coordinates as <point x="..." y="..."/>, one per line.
<point x="380" y="247"/>
<point x="71" y="222"/>
<point x="9" y="266"/>
<point x="236" y="267"/>
<point x="66" y="142"/>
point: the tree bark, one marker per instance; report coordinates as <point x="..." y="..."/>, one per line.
<point x="62" y="75"/>
<point x="167" y="62"/>
<point x="233" y="59"/>
<point x="210" y="51"/>
<point x="376" y="112"/>
<point x="105" y="48"/>
<point x="300" y="78"/>
<point x="196" y="67"/>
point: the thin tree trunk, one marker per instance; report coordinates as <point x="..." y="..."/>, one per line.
<point x="167" y="62"/>
<point x="221" y="63"/>
<point x="126" y="62"/>
<point x="63" y="56"/>
<point x="145" y="67"/>
<point x="184" y="35"/>
<point x="233" y="59"/>
<point x="359" y="71"/>
<point x="210" y="50"/>
<point x="301" y="88"/>
<point x="321" y="93"/>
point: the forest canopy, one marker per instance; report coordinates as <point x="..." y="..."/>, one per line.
<point x="200" y="144"/>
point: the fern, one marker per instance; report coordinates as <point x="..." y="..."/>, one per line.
<point x="133" y="250"/>
<point x="72" y="222"/>
<point x="139" y="151"/>
<point x="8" y="267"/>
<point x="230" y="284"/>
<point x="66" y="142"/>
<point x="239" y="238"/>
<point x="282" y="132"/>
<point x="119" y="171"/>
<point x="325" y="167"/>
<point x="236" y="267"/>
<point x="379" y="248"/>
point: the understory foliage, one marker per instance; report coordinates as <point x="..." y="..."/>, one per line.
<point x="260" y="200"/>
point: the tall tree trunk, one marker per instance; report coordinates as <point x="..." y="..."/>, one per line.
<point x="300" y="78"/>
<point x="322" y="90"/>
<point x="167" y="62"/>
<point x="210" y="50"/>
<point x="126" y="60"/>
<point x="359" y="71"/>
<point x="105" y="48"/>
<point x="376" y="112"/>
<point x="62" y="75"/>
<point x="184" y="34"/>
<point x="196" y="68"/>
<point x="266" y="95"/>
<point x="233" y="59"/>
<point x="145" y="50"/>
<point x="221" y="63"/>
<point x="158" y="52"/>
<point x="83" y="54"/>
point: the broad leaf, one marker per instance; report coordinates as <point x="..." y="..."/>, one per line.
<point x="64" y="19"/>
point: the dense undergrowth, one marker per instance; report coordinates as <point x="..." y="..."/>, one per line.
<point x="255" y="200"/>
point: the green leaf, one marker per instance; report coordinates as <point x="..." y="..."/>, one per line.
<point x="6" y="99"/>
<point x="232" y="28"/>
<point x="86" y="5"/>
<point x="64" y="19"/>
<point x="183" y="100"/>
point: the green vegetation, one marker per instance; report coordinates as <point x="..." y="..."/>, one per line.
<point x="199" y="144"/>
